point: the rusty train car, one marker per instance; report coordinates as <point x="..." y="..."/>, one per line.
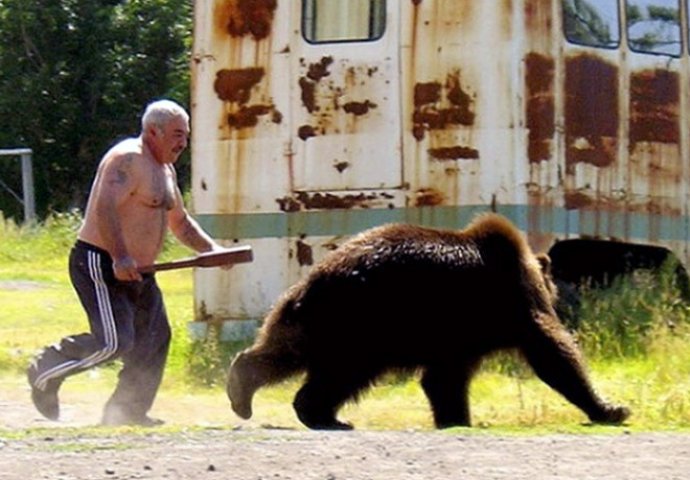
<point x="316" y="119"/>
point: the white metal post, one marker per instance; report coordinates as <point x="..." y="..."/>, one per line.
<point x="28" y="187"/>
<point x="27" y="180"/>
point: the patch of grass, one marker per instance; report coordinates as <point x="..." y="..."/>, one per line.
<point x="623" y="320"/>
<point x="208" y="359"/>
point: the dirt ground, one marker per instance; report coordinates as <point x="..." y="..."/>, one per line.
<point x="223" y="447"/>
<point x="279" y="454"/>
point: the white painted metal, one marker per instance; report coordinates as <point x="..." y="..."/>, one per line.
<point x="460" y="105"/>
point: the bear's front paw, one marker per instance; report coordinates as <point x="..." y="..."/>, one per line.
<point x="320" y="423"/>
<point x="334" y="425"/>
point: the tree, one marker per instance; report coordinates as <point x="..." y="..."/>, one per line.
<point x="656" y="31"/>
<point x="584" y="24"/>
<point x="75" y="76"/>
<point x="654" y="28"/>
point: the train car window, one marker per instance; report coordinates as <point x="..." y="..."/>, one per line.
<point x="343" y="21"/>
<point x="593" y="23"/>
<point x="654" y="26"/>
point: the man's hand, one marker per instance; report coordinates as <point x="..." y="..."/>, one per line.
<point x="125" y="270"/>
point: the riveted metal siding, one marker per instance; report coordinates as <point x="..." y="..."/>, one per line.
<point x="241" y="143"/>
<point x="462" y="106"/>
<point x="461" y="102"/>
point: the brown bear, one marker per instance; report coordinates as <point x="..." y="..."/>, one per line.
<point x="404" y="297"/>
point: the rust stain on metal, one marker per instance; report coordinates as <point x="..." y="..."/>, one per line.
<point x="576" y="200"/>
<point x="342" y="166"/>
<point x="306" y="131"/>
<point x="328" y="201"/>
<point x="288" y="204"/>
<point x="458" y="97"/>
<point x="416" y="2"/>
<point x="428" y="197"/>
<point x="654" y="105"/>
<point x="325" y="99"/>
<point x="277" y="117"/>
<point x="247" y="117"/>
<point x="539" y="79"/>
<point x="591" y="113"/>
<point x="538" y="18"/>
<point x="308" y="89"/>
<point x="453" y="153"/>
<point x="359" y="108"/>
<point x="433" y="113"/>
<point x="235" y="85"/>
<point x="425" y="93"/>
<point x="600" y="152"/>
<point x="249" y="17"/>
<point x="305" y="256"/>
<point x="316" y="71"/>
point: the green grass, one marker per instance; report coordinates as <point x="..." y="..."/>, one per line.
<point x="39" y="305"/>
<point x="636" y="340"/>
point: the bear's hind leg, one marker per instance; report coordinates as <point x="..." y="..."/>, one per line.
<point x="556" y="360"/>
<point x="447" y="388"/>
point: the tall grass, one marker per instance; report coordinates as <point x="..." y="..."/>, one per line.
<point x="628" y="319"/>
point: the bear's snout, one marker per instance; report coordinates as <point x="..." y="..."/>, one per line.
<point x="238" y="393"/>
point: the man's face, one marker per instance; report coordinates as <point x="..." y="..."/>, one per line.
<point x="172" y="140"/>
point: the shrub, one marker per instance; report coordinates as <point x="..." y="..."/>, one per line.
<point x="623" y="320"/>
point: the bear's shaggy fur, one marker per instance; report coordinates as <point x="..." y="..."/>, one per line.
<point x="412" y="298"/>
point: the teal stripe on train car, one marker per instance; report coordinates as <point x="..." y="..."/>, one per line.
<point x="556" y="220"/>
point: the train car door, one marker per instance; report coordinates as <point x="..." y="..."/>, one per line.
<point x="346" y="101"/>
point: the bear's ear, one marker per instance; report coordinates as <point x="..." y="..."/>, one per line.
<point x="545" y="267"/>
<point x="544" y="263"/>
<point x="288" y="314"/>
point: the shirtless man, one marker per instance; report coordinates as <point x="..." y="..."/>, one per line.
<point x="133" y="200"/>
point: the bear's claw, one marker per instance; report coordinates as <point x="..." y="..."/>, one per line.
<point x="612" y="415"/>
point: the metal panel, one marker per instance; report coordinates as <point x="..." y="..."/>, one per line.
<point x="240" y="142"/>
<point x="622" y="149"/>
<point x="346" y="111"/>
<point x="240" y="106"/>
<point x="461" y="103"/>
<point x="462" y="106"/>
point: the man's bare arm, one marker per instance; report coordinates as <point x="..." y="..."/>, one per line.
<point x="117" y="183"/>
<point x="186" y="229"/>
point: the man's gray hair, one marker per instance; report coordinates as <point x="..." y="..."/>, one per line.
<point x="160" y="112"/>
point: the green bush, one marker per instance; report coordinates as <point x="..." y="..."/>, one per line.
<point x="46" y="240"/>
<point x="208" y="359"/>
<point x="621" y="321"/>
